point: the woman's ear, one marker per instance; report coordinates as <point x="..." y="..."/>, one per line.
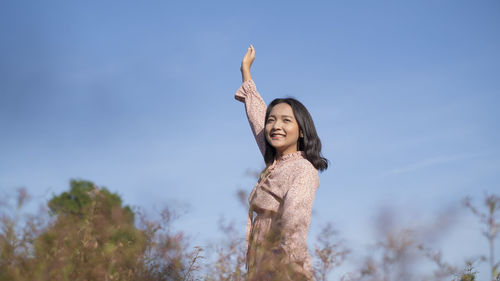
<point x="301" y="135"/>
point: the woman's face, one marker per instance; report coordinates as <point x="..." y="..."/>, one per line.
<point x="282" y="130"/>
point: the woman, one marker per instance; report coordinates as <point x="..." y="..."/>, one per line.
<point x="283" y="197"/>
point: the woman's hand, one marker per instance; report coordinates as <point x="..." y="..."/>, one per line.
<point x="248" y="59"/>
<point x="246" y="64"/>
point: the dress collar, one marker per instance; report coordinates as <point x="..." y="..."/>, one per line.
<point x="293" y="155"/>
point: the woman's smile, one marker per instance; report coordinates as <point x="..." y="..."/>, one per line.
<point x="277" y="136"/>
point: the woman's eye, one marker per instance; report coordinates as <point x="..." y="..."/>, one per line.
<point x="287" y="120"/>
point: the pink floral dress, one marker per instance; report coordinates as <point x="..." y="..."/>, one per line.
<point x="280" y="206"/>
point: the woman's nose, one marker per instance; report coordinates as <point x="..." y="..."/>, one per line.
<point x="277" y="124"/>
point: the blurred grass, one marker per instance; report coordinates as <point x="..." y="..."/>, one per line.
<point x="87" y="233"/>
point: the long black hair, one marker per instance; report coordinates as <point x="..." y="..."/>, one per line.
<point x="309" y="142"/>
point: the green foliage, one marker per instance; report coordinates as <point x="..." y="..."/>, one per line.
<point x="92" y="238"/>
<point x="74" y="201"/>
<point x="78" y="200"/>
<point x="468" y="277"/>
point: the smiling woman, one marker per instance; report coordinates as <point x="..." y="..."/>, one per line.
<point x="283" y="197"/>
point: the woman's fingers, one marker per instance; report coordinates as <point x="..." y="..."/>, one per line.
<point x="250" y="52"/>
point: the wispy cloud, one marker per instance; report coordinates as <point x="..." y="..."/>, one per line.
<point x="434" y="161"/>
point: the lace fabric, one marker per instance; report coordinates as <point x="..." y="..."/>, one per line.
<point x="282" y="200"/>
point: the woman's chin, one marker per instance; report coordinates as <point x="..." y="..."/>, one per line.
<point x="277" y="146"/>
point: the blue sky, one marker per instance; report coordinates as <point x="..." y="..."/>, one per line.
<point x="138" y="97"/>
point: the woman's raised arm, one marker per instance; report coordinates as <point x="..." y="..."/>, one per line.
<point x="254" y="104"/>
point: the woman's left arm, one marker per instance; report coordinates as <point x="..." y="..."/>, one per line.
<point x="296" y="214"/>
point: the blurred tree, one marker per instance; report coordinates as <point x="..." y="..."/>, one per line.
<point x="92" y="237"/>
<point x="82" y="195"/>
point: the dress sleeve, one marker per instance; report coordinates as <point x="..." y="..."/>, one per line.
<point x="296" y="216"/>
<point x="256" y="111"/>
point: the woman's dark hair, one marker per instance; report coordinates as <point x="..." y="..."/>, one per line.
<point x="309" y="143"/>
